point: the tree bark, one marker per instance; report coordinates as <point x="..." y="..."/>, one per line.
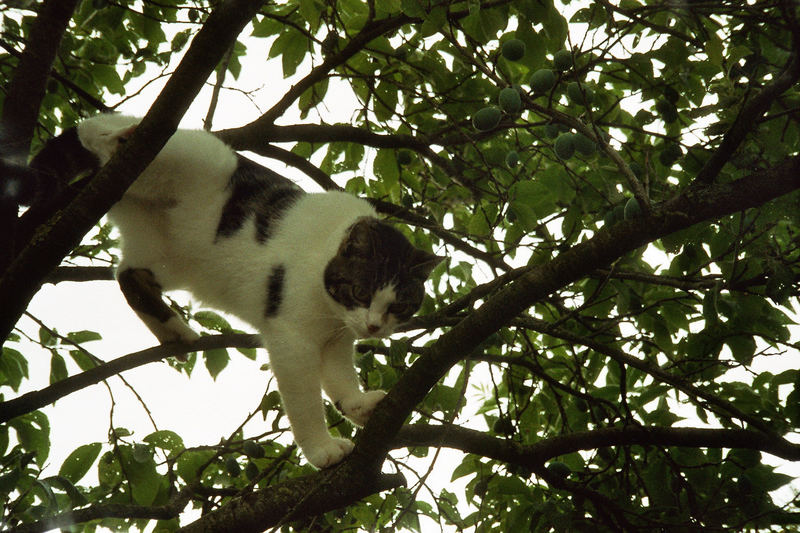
<point x="23" y="98"/>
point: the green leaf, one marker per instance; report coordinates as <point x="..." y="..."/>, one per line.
<point x="510" y="486"/>
<point x="78" y="463"/>
<point x="82" y="336"/>
<point x="250" y="353"/>
<point x="33" y="432"/>
<point x="58" y="368"/>
<point x="166" y="440"/>
<point x="212" y="320"/>
<point x="46" y="338"/>
<point x="216" y="360"/>
<point x="76" y="497"/>
<point x="13" y="368"/>
<point x="109" y="472"/>
<point x="386" y="168"/>
<point x="84" y="361"/>
<point x="140" y="472"/>
<point x="743" y="347"/>
<point x="190" y="462"/>
<point x="292" y="47"/>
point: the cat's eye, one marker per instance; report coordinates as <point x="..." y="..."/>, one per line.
<point x="360" y="294"/>
<point x="401" y="309"/>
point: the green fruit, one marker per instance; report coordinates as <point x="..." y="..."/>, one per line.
<point x="564" y="146"/>
<point x="512" y="159"/>
<point x="562" y="60"/>
<point x="667" y="110"/>
<point x="584" y="145"/>
<point x="509" y="100"/>
<point x="551" y="130"/>
<point x="580" y="94"/>
<point x="543" y="80"/>
<point x="486" y="119"/>
<point x="559" y="469"/>
<point x="671" y="153"/>
<point x="671" y="95"/>
<point x="252" y="449"/>
<point x="609" y="219"/>
<point x="251" y="470"/>
<point x="513" y="49"/>
<point x="503" y="426"/>
<point x="575" y="92"/>
<point x="632" y="209"/>
<point x="232" y="466"/>
<point x="619" y="212"/>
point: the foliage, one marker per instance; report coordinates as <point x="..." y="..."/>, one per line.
<point x="588" y="311"/>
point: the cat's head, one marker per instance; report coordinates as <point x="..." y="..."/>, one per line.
<point x="377" y="277"/>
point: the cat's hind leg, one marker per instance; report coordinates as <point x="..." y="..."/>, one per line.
<point x="143" y="293"/>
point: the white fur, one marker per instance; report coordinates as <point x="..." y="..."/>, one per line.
<point x="168" y="221"/>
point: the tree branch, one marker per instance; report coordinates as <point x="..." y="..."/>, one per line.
<point x="80" y="273"/>
<point x="295" y="498"/>
<point x="21" y="105"/>
<point x="38" y="399"/>
<point x="535" y="455"/>
<point x="27" y="88"/>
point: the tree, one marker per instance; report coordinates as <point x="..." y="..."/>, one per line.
<point x="615" y="184"/>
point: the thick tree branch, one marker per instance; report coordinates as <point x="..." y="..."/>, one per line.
<point x="24" y="96"/>
<point x="38" y="399"/>
<point x="247" y="138"/>
<point x="533" y="456"/>
<point x="95" y="512"/>
<point x="63" y="232"/>
<point x="27" y="88"/>
<point x="296" y="498"/>
<point x="80" y="273"/>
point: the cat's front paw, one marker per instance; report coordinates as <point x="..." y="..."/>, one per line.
<point x="329" y="453"/>
<point x="359" y="408"/>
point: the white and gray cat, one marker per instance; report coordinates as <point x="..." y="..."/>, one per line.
<point x="311" y="271"/>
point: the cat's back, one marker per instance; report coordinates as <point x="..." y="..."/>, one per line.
<point x="319" y="221"/>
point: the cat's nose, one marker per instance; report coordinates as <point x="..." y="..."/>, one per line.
<point x="372" y="328"/>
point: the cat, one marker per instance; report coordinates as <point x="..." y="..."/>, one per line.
<point x="312" y="272"/>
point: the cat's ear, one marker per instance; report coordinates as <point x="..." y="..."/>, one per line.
<point x="124" y="134"/>
<point x="423" y="263"/>
<point x="359" y="240"/>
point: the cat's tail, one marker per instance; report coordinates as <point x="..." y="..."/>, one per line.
<point x="60" y="163"/>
